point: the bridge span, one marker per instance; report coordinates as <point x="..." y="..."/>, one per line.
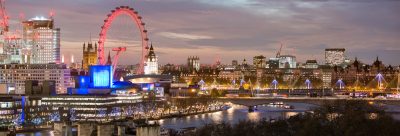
<point x="314" y="101"/>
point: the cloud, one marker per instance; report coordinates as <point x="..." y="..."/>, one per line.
<point x="236" y="29"/>
<point x="184" y="36"/>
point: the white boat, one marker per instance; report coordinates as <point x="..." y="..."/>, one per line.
<point x="225" y="107"/>
<point x="288" y="107"/>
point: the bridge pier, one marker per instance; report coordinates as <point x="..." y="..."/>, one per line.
<point x="105" y="129"/>
<point x="58" y="128"/>
<point x="85" y="129"/>
<point x="121" y="130"/>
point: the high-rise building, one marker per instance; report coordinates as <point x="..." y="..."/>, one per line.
<point x="19" y="73"/>
<point x="89" y="55"/>
<point x="193" y="63"/>
<point x="151" y="67"/>
<point x="43" y="39"/>
<point x="287" y="61"/>
<point x="259" y="61"/>
<point x="334" y="56"/>
<point x="12" y="50"/>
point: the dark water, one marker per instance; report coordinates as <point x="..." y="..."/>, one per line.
<point x="234" y="115"/>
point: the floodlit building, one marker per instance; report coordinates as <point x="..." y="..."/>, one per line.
<point x="43" y="39"/>
<point x="335" y="56"/>
<point x="273" y="63"/>
<point x="193" y="63"/>
<point x="259" y="61"/>
<point x="287" y="61"/>
<point x="311" y="64"/>
<point x="89" y="55"/>
<point x="151" y="67"/>
<point x="18" y="73"/>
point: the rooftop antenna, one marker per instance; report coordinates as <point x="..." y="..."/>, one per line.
<point x="90" y="37"/>
<point x="51" y="13"/>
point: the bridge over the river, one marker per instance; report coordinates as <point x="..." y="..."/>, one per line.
<point x="308" y="100"/>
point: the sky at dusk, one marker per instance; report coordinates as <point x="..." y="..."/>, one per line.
<point x="229" y="29"/>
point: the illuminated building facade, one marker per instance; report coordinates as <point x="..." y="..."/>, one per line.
<point x="43" y="39"/>
<point x="311" y="64"/>
<point x="18" y="73"/>
<point x="151" y="67"/>
<point x="287" y="61"/>
<point x="273" y="63"/>
<point x="334" y="56"/>
<point x="193" y="63"/>
<point x="259" y="61"/>
<point x="101" y="76"/>
<point x="89" y="55"/>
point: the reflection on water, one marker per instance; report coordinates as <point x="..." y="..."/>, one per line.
<point x="290" y="114"/>
<point x="42" y="133"/>
<point x="234" y="115"/>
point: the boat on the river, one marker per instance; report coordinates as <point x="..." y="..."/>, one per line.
<point x="225" y="107"/>
<point x="288" y="107"/>
<point x="276" y="104"/>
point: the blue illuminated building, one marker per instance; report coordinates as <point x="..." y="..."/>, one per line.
<point x="101" y="76"/>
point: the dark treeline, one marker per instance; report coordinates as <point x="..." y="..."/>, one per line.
<point x="340" y="118"/>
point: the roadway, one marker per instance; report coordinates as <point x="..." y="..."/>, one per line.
<point x="254" y="101"/>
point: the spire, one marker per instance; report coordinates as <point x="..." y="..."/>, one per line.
<point x="90" y="37"/>
<point x="151" y="54"/>
<point x="151" y="46"/>
<point x="109" y="59"/>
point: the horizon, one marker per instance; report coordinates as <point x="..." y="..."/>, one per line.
<point x="234" y="30"/>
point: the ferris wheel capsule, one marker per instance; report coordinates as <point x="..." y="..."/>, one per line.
<point x="112" y="11"/>
<point x="108" y="15"/>
<point x="143" y="24"/>
<point x="117" y="8"/>
<point x="144" y="31"/>
<point x="146" y="39"/>
<point x="147" y="47"/>
<point x="139" y="17"/>
<point x="131" y="9"/>
<point x="136" y="12"/>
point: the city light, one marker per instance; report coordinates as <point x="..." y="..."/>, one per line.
<point x="211" y="70"/>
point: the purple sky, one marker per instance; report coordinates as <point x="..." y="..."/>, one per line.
<point x="229" y="29"/>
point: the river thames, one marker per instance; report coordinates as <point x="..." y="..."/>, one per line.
<point x="233" y="115"/>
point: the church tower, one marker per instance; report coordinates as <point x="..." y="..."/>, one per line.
<point x="151" y="67"/>
<point x="89" y="55"/>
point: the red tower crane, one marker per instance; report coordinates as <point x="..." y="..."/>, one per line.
<point x="3" y="18"/>
<point x="119" y="50"/>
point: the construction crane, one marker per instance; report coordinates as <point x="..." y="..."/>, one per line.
<point x="119" y="50"/>
<point x="278" y="54"/>
<point x="3" y="18"/>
